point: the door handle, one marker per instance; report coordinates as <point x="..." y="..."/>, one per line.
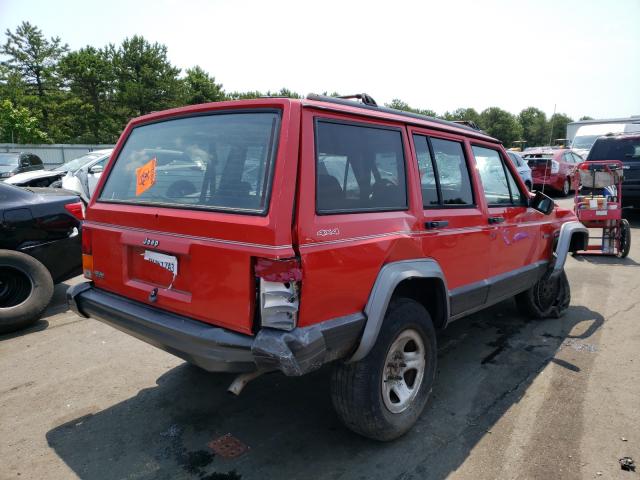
<point x="436" y="224"/>
<point x="495" y="220"/>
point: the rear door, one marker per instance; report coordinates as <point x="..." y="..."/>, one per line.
<point x="453" y="220"/>
<point x="188" y="203"/>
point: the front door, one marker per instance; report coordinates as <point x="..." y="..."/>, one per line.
<point x="514" y="227"/>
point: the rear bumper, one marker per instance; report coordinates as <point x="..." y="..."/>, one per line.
<point x="217" y="349"/>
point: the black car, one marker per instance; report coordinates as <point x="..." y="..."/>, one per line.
<point x="39" y="246"/>
<point x="14" y="163"/>
<point x="626" y="148"/>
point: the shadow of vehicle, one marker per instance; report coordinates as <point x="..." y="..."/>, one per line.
<point x="486" y="363"/>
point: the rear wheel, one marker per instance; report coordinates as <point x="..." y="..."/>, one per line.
<point x="625" y="238"/>
<point x="566" y="187"/>
<point x="548" y="298"/>
<point x="382" y="396"/>
<point x="26" y="288"/>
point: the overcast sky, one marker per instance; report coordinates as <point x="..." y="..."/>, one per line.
<point x="582" y="55"/>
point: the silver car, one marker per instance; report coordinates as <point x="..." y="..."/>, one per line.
<point x="523" y="169"/>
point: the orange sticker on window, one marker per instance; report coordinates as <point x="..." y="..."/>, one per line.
<point x="145" y="176"/>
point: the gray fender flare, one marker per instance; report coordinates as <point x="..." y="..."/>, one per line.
<point x="388" y="278"/>
<point x="567" y="231"/>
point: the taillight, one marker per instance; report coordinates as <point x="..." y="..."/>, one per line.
<point x="279" y="292"/>
<point x="76" y="209"/>
<point x="555" y="166"/>
<point x="87" y="252"/>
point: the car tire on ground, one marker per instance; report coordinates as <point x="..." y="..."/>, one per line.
<point x="548" y="298"/>
<point x="382" y="395"/>
<point x="625" y="238"/>
<point x="26" y="288"/>
<point x="566" y="188"/>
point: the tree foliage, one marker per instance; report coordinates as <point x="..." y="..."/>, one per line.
<point x="404" y="106"/>
<point x="501" y="124"/>
<point x="200" y="87"/>
<point x="18" y="125"/>
<point x="535" y="128"/>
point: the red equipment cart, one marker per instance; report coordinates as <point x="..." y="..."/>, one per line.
<point x="598" y="204"/>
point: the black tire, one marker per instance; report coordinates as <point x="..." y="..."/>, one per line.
<point x="548" y="298"/>
<point x="625" y="238"/>
<point x="357" y="388"/>
<point x="529" y="186"/>
<point x="566" y="188"/>
<point x="26" y="288"/>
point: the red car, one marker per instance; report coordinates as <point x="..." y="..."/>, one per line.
<point x="289" y="234"/>
<point x="552" y="168"/>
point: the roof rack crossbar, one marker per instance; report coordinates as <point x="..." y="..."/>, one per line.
<point x="363" y="97"/>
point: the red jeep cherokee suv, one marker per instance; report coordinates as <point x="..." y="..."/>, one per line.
<point x="277" y="234"/>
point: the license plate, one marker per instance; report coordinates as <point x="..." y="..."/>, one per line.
<point x="168" y="262"/>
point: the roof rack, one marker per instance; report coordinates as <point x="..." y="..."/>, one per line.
<point x="468" y="123"/>
<point x="363" y="97"/>
<point x="349" y="102"/>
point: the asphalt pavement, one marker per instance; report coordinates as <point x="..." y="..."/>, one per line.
<point x="514" y="398"/>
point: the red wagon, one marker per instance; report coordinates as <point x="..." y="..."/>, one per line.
<point x="598" y="205"/>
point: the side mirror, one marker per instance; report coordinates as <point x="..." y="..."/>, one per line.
<point x="96" y="169"/>
<point x="542" y="203"/>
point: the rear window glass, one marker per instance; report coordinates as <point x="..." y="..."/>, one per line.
<point x="218" y="162"/>
<point x="359" y="168"/>
<point x="623" y="149"/>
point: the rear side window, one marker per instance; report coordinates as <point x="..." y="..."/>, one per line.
<point x="623" y="149"/>
<point x="359" y="168"/>
<point x="500" y="187"/>
<point x="218" y="162"/>
<point x="35" y="160"/>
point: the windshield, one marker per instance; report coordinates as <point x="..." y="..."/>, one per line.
<point x="8" y="160"/>
<point x="218" y="162"/>
<point x="584" y="141"/>
<point x="623" y="149"/>
<point x="78" y="163"/>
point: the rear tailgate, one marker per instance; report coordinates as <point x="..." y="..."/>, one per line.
<point x="540" y="167"/>
<point x="187" y="241"/>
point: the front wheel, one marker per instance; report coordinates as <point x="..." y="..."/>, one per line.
<point x="548" y="298"/>
<point x="382" y="395"/>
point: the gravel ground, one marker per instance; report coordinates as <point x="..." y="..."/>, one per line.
<point x="513" y="399"/>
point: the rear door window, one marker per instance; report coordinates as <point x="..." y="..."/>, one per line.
<point x="219" y="162"/>
<point x="359" y="168"/>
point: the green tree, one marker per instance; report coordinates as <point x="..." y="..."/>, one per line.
<point x="283" y="92"/>
<point x="35" y="59"/>
<point x="398" y="104"/>
<point x="501" y="124"/>
<point x="18" y="125"/>
<point x="586" y="117"/>
<point x="558" y="126"/>
<point x="90" y="77"/>
<point x="469" y="114"/>
<point x="145" y="79"/>
<point x="535" y="129"/>
<point x="199" y="87"/>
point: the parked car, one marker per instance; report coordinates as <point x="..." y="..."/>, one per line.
<point x="552" y="168"/>
<point x="321" y="230"/>
<point x="626" y="148"/>
<point x="84" y="177"/>
<point x="39" y="246"/>
<point x="522" y="167"/>
<point x="16" y="163"/>
<point x="52" y="178"/>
